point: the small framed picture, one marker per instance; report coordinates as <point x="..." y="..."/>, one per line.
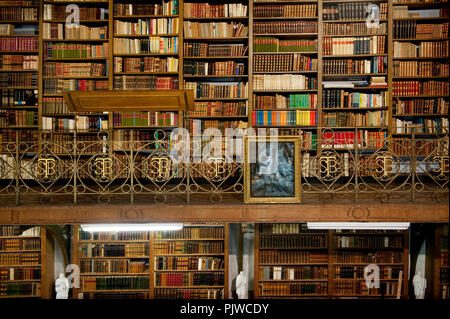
<point x="272" y="169"/>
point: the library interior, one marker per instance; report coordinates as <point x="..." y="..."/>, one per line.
<point x="229" y="149"/>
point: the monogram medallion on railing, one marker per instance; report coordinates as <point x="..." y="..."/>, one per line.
<point x="217" y="168"/>
<point x="46" y="168"/>
<point x="102" y="168"/>
<point x="158" y="168"/>
<point x="385" y="166"/>
<point x="329" y="166"/>
<point x="440" y="169"/>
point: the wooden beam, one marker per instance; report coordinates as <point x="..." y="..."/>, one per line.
<point x="70" y="214"/>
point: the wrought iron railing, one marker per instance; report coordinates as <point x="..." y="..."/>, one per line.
<point x="76" y="169"/>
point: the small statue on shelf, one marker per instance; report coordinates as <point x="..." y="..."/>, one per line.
<point x="62" y="287"/>
<point x="241" y="286"/>
<point x="420" y="284"/>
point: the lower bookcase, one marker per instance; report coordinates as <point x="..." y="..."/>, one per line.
<point x="191" y="263"/>
<point x="292" y="261"/>
<point x="23" y="262"/>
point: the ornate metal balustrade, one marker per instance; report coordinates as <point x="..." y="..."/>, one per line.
<point x="70" y="168"/>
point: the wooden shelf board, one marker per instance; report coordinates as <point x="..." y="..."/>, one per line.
<point x="20" y="251"/>
<point x="146" y="35"/>
<point x="324" y="109"/>
<point x="283" y="72"/>
<point x="190" y="270"/>
<point x="145" y="16"/>
<point x="215" y="57"/>
<point x="293" y="264"/>
<point x="187" y="239"/>
<point x="113" y="274"/>
<point x="293" y="248"/>
<point x="293" y="280"/>
<point x="188" y="287"/>
<point x="287" y="52"/>
<point x="196" y="254"/>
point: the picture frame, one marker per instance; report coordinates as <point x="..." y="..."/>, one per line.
<point x="272" y="169"/>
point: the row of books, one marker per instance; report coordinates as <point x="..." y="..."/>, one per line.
<point x="109" y="266"/>
<point x="402" y="88"/>
<point x="284" y="82"/>
<point x="206" y="10"/>
<point x="145" y="119"/>
<point x="115" y="283"/>
<point x="171" y="293"/>
<point x="368" y="242"/>
<point x="189" y="247"/>
<point x="357" y="272"/>
<point x="297" y="26"/>
<point x="113" y="236"/>
<point x="55" y="86"/>
<point x="18" y="62"/>
<point x="62" y="31"/>
<point x="21" y="273"/>
<point x="346" y="119"/>
<point x="214" y="29"/>
<point x="357" y="257"/>
<point x="113" y="250"/>
<point x="123" y="295"/>
<point x="141" y="138"/>
<point x="271" y="44"/>
<point x="403" y="146"/>
<point x="291" y="228"/>
<point x="339" y="98"/>
<point x="287" y="10"/>
<point x="58" y="12"/>
<point x="188" y="263"/>
<point x="410" y="29"/>
<point x="277" y="118"/>
<point x="283" y="62"/>
<point x="219" y="108"/>
<point x="20" y="2"/>
<point x="153" y="44"/>
<point x="189" y="279"/>
<point x="421" y="126"/>
<point x="9" y="230"/>
<point x="18" y="14"/>
<point x="75" y="50"/>
<point x="354" y="45"/>
<point x="146" y="64"/>
<point x="349" y="139"/>
<point x="293" y="289"/>
<point x="18" y="97"/>
<point x="293" y="273"/>
<point x="421" y="106"/>
<point x="351" y="11"/>
<point x="354" y="28"/>
<point x="64" y="144"/>
<point x="75" y="69"/>
<point x="279" y="101"/>
<point x="197" y="49"/>
<point x="163" y="8"/>
<point x="145" y="82"/>
<point x="23" y="259"/>
<point x="420" y="68"/>
<point x="20" y="289"/>
<point x="346" y="288"/>
<point x="79" y="123"/>
<point x="20" y="244"/>
<point x="192" y="233"/>
<point x="404" y="12"/>
<point x="214" y="68"/>
<point x="10" y="117"/>
<point x="18" y="79"/>
<point x="292" y="257"/>
<point x="376" y="64"/>
<point x="424" y="49"/>
<point x="147" y="27"/>
<point x="293" y="241"/>
<point x="217" y="89"/>
<point x="196" y="127"/>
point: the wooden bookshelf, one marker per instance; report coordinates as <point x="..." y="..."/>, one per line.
<point x="354" y="250"/>
<point x="216" y="62"/>
<point x="23" y="263"/>
<point x="285" y="69"/>
<point x="336" y="271"/>
<point x="19" y="64"/>
<point x="157" y="271"/>
<point x="191" y="263"/>
<point x="420" y="80"/>
<point x="290" y="262"/>
<point x="112" y="256"/>
<point x="441" y="266"/>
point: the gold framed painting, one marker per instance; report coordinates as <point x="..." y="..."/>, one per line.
<point x="272" y="169"/>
